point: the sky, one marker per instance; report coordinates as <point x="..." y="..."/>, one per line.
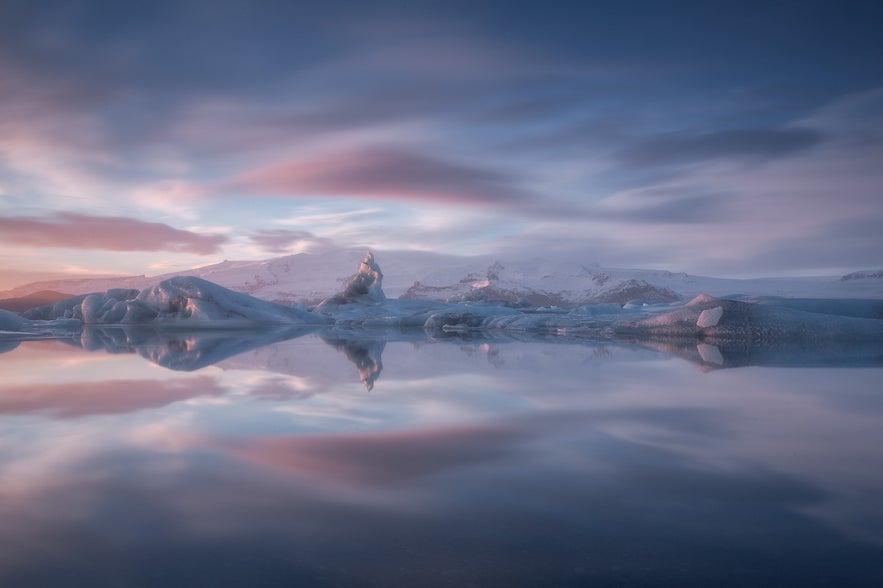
<point x="723" y="138"/>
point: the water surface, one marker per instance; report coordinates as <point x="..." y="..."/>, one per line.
<point x="143" y="458"/>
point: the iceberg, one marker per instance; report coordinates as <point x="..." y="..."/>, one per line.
<point x="184" y="301"/>
<point x="366" y="287"/>
<point x="188" y="302"/>
<point x="709" y="319"/>
<point x="16" y="325"/>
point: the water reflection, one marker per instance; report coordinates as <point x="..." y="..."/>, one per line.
<point x="259" y="459"/>
<point x="115" y="396"/>
<point x="193" y="350"/>
<point x="365" y="353"/>
<point x="183" y="350"/>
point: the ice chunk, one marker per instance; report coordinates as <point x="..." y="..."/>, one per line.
<point x="710" y="317"/>
<point x="364" y="287"/>
<point x="180" y="301"/>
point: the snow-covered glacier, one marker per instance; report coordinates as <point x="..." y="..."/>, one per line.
<point x="310" y="278"/>
<point x="628" y="308"/>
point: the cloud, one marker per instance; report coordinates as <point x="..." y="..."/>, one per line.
<point x="82" y="231"/>
<point x="79" y="399"/>
<point x="384" y="173"/>
<point x="384" y="458"/>
<point x="283" y="240"/>
<point x="278" y="389"/>
<point x="686" y="210"/>
<point x="838" y="246"/>
<point x="673" y="148"/>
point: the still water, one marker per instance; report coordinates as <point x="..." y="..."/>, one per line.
<point x="333" y="459"/>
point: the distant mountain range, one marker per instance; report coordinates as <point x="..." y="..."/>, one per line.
<point x="39" y="298"/>
<point x="309" y="278"/>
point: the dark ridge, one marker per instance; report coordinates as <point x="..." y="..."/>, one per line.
<point x="23" y="303"/>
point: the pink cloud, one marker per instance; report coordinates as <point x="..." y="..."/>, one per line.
<point x="383" y="173"/>
<point x="81" y="231"/>
<point x="381" y="458"/>
<point x="78" y="399"/>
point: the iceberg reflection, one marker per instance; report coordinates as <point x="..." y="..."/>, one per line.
<point x="193" y="350"/>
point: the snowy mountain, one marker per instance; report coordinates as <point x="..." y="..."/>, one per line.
<point x="39" y="298"/>
<point x="307" y="278"/>
<point x="310" y="278"/>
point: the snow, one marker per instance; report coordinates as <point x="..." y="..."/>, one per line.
<point x="310" y="278"/>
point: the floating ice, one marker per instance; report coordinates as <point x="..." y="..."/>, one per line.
<point x="710" y="317"/>
<point x="180" y="301"/>
<point x="12" y="323"/>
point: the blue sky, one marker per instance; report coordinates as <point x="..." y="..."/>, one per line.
<point x="725" y="138"/>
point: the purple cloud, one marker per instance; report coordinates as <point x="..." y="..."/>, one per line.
<point x="82" y="231"/>
<point x="383" y="173"/>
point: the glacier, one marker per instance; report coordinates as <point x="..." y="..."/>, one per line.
<point x="310" y="278"/>
<point x="624" y="307"/>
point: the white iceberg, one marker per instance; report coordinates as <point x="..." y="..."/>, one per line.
<point x="184" y="301"/>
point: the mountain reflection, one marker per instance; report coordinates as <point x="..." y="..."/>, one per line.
<point x="194" y="350"/>
<point x="184" y="350"/>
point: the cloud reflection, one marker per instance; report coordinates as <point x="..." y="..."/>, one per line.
<point x="587" y="506"/>
<point x="118" y="396"/>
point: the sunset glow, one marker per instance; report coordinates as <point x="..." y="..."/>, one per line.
<point x="731" y="141"/>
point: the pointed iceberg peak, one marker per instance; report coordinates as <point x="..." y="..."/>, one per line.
<point x="366" y="286"/>
<point x="367" y="283"/>
<point x="370" y="267"/>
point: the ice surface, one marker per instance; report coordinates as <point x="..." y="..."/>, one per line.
<point x="14" y="324"/>
<point x="713" y="319"/>
<point x="709" y="317"/>
<point x="181" y="301"/>
<point x="491" y="301"/>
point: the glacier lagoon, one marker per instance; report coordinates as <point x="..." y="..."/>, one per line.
<point x="329" y="457"/>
